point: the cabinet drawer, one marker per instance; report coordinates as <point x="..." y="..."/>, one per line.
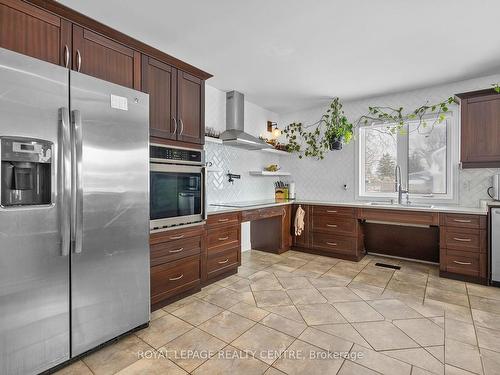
<point x="222" y="220"/>
<point x="168" y="251"/>
<point x="335" y="243"/>
<point x="176" y="234"/>
<point x="262" y="213"/>
<point x="463" y="263"/>
<point x="461" y="239"/>
<point x="464" y="221"/>
<point x="334" y="224"/>
<point x="174" y="277"/>
<point x="334" y="211"/>
<point x="399" y="216"/>
<point x="221" y="262"/>
<point x="224" y="238"/>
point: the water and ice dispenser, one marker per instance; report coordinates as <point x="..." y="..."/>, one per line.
<point x="26" y="171"/>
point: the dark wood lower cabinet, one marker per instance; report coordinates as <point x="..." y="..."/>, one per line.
<point x="176" y="264"/>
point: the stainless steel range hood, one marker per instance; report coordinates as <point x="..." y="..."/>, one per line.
<point x="235" y="125"/>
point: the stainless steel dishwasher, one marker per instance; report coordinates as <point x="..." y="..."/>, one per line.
<point x="495" y="245"/>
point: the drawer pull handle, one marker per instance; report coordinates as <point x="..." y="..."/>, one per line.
<point x="331" y="225"/>
<point x="331" y="211"/>
<point x="223" y="220"/>
<point x="177" y="237"/>
<point x="462" y="221"/>
<point x="224" y="261"/>
<point x="332" y="243"/>
<point x="223" y="238"/>
<point x="462" y="263"/>
<point x="462" y="239"/>
<point x="177" y="278"/>
<point x="176" y="251"/>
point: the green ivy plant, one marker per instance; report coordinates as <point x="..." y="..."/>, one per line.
<point x="396" y="118"/>
<point x="496" y="87"/>
<point x="332" y="127"/>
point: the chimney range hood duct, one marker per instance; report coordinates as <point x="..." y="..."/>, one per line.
<point x="235" y="125"/>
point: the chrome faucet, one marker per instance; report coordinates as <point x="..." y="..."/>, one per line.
<point x="397" y="184"/>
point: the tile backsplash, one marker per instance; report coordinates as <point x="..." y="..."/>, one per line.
<point x="238" y="161"/>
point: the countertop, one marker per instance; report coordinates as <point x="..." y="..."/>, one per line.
<point x="240" y="206"/>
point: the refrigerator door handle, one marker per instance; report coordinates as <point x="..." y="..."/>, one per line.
<point x="65" y="180"/>
<point x="77" y="211"/>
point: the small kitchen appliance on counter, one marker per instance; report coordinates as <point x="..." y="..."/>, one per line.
<point x="494" y="190"/>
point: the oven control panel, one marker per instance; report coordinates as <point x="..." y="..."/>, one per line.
<point x="167" y="154"/>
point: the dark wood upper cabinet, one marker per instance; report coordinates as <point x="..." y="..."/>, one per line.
<point x="190" y="108"/>
<point x="159" y="80"/>
<point x="480" y="129"/>
<point x="33" y="31"/>
<point x="103" y="58"/>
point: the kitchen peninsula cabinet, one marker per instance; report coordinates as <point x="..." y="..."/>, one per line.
<point x="480" y="129"/>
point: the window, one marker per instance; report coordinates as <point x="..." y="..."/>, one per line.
<point x="424" y="154"/>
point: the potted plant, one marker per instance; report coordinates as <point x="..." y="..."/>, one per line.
<point x="329" y="133"/>
<point x="338" y="129"/>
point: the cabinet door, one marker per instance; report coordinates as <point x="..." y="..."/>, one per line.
<point x="34" y="32"/>
<point x="103" y="58"/>
<point x="190" y="108"/>
<point x="481" y="131"/>
<point x="159" y="80"/>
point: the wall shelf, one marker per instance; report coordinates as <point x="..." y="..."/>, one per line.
<point x="213" y="140"/>
<point x="275" y="151"/>
<point x="266" y="173"/>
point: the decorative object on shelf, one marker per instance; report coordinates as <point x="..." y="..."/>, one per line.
<point x="266" y="173"/>
<point x="211" y="132"/>
<point x="280" y="190"/>
<point x="272" y="168"/>
<point x="337" y="130"/>
<point x="232" y="177"/>
<point x="274" y="131"/>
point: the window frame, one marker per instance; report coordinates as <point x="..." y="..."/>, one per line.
<point x="452" y="163"/>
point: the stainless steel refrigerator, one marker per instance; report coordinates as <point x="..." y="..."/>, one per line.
<point x="74" y="214"/>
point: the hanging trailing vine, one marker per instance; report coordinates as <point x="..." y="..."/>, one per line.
<point x="335" y="127"/>
<point x="332" y="128"/>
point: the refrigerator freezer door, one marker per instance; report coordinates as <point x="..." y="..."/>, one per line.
<point x="110" y="237"/>
<point x="34" y="265"/>
<point x="495" y="244"/>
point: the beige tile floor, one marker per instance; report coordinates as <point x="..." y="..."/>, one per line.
<point x="298" y="313"/>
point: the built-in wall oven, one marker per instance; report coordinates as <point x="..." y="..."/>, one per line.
<point x="177" y="186"/>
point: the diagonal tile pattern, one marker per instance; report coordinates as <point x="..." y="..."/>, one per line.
<point x="299" y="313"/>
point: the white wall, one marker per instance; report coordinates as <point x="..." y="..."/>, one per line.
<point x="237" y="160"/>
<point x="324" y="180"/>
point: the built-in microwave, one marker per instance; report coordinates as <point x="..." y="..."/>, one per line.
<point x="177" y="186"/>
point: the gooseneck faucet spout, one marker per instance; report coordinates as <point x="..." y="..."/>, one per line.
<point x="397" y="184"/>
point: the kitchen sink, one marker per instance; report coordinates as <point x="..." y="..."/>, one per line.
<point x="416" y="205"/>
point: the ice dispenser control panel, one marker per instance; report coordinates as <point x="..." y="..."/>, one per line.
<point x="26" y="170"/>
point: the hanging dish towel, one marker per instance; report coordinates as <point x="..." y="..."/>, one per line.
<point x="299" y="221"/>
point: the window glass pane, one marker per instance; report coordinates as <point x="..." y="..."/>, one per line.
<point x="380" y="158"/>
<point x="427" y="159"/>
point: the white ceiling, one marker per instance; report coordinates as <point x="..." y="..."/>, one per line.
<point x="287" y="55"/>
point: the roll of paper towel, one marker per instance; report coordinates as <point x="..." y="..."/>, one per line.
<point x="291" y="190"/>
